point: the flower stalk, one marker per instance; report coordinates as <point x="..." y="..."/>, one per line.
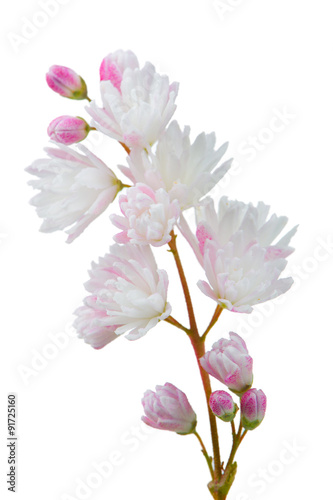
<point x="238" y="245"/>
<point x="198" y="344"/>
<point x="214" y="319"/>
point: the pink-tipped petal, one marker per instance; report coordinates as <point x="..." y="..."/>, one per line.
<point x="168" y="409"/>
<point x="230" y="363"/>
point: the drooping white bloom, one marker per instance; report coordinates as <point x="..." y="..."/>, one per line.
<point x="237" y="251"/>
<point x="149" y="216"/>
<point x="129" y="294"/>
<point x="137" y="103"/>
<point x="186" y="171"/>
<point x="229" y="361"/>
<point x="74" y="189"/>
<point x="169" y="409"/>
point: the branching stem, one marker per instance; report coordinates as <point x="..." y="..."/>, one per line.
<point x="214" y="319"/>
<point x="198" y="344"/>
<point x="236" y="441"/>
<point x="176" y="323"/>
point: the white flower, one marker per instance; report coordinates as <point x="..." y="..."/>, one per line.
<point x="137" y="103"/>
<point x="233" y="216"/>
<point x="237" y="251"/>
<point x="186" y="171"/>
<point x="240" y="278"/>
<point x="128" y="294"/>
<point x="74" y="189"/>
<point x="149" y="216"/>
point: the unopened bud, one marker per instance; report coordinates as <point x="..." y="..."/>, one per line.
<point x="66" y="82"/>
<point x="253" y="408"/>
<point x="223" y="406"/>
<point x="68" y="129"/>
<point x="229" y="361"/>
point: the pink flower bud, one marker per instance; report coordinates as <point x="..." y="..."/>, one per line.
<point x="230" y="363"/>
<point x="68" y="129"/>
<point x="253" y="408"/>
<point x="168" y="409"/>
<point x="66" y="82"/>
<point x="223" y="406"/>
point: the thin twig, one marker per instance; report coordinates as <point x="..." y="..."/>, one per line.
<point x="204" y="451"/>
<point x="176" y="323"/>
<point x="174" y="251"/>
<point x="198" y="344"/>
<point x="214" y="319"/>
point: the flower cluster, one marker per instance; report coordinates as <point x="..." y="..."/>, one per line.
<point x="166" y="175"/>
<point x="230" y="363"/>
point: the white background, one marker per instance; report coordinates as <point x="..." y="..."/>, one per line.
<point x="239" y="63"/>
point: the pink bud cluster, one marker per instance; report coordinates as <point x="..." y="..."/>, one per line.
<point x="66" y="82"/>
<point x="230" y="363"/>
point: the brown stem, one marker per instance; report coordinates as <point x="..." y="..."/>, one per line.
<point x="176" y="323"/>
<point x="236" y="441"/>
<point x="190" y="311"/>
<point x="214" y="319"/>
<point x="198" y="344"/>
<point x="199" y="349"/>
